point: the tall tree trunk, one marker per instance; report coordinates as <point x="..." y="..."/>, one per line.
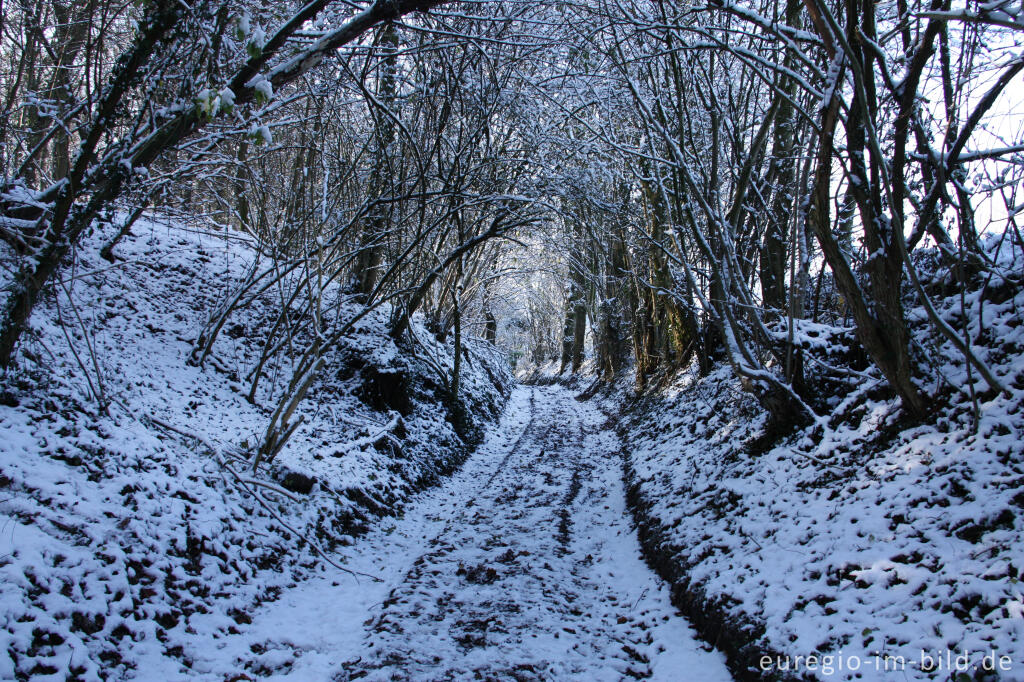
<point x="457" y="311"/>
<point x="579" y="335"/>
<point x="615" y="293"/>
<point x="375" y="225"/>
<point x="783" y="171"/>
<point x="575" y="326"/>
<point x="490" y="327"/>
<point x="72" y="31"/>
<point x="888" y="351"/>
<point x="32" y="18"/>
<point x="241" y="187"/>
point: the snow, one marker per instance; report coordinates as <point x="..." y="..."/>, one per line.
<point x="262" y="132"/>
<point x="125" y="547"/>
<point x="264" y="88"/>
<point x="227" y="98"/>
<point x="569" y="596"/>
<point x="906" y="540"/>
<point x="130" y="551"/>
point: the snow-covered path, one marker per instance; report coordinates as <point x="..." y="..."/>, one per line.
<point x="523" y="566"/>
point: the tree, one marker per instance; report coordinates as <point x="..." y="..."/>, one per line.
<point x="108" y="161"/>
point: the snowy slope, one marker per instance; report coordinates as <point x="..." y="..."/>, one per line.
<point x="868" y="539"/>
<point x="120" y="530"/>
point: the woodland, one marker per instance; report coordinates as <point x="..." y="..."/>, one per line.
<point x="692" y="181"/>
<point x="806" y="206"/>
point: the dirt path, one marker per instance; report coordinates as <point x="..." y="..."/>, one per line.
<point x="523" y="566"/>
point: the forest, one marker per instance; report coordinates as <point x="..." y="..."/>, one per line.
<point x="726" y="294"/>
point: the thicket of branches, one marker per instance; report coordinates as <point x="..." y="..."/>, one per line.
<point x="787" y="157"/>
<point x="671" y="183"/>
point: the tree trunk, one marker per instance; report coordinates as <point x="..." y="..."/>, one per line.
<point x="889" y="351"/>
<point x="375" y="225"/>
<point x="490" y="327"/>
<point x="773" y="250"/>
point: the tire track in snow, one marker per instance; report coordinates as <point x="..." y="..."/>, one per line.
<point x="536" y="572"/>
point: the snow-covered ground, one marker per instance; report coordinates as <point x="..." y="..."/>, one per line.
<point x="124" y="541"/>
<point x="879" y="548"/>
<point x="129" y="551"/>
<point x="522" y="566"/>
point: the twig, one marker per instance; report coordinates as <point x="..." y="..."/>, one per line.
<point x="247" y="485"/>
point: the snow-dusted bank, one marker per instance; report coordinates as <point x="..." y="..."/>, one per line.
<point x="128" y="542"/>
<point x="865" y="548"/>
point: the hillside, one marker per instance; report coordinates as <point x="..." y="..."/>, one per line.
<point x="863" y="541"/>
<point x="131" y="536"/>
